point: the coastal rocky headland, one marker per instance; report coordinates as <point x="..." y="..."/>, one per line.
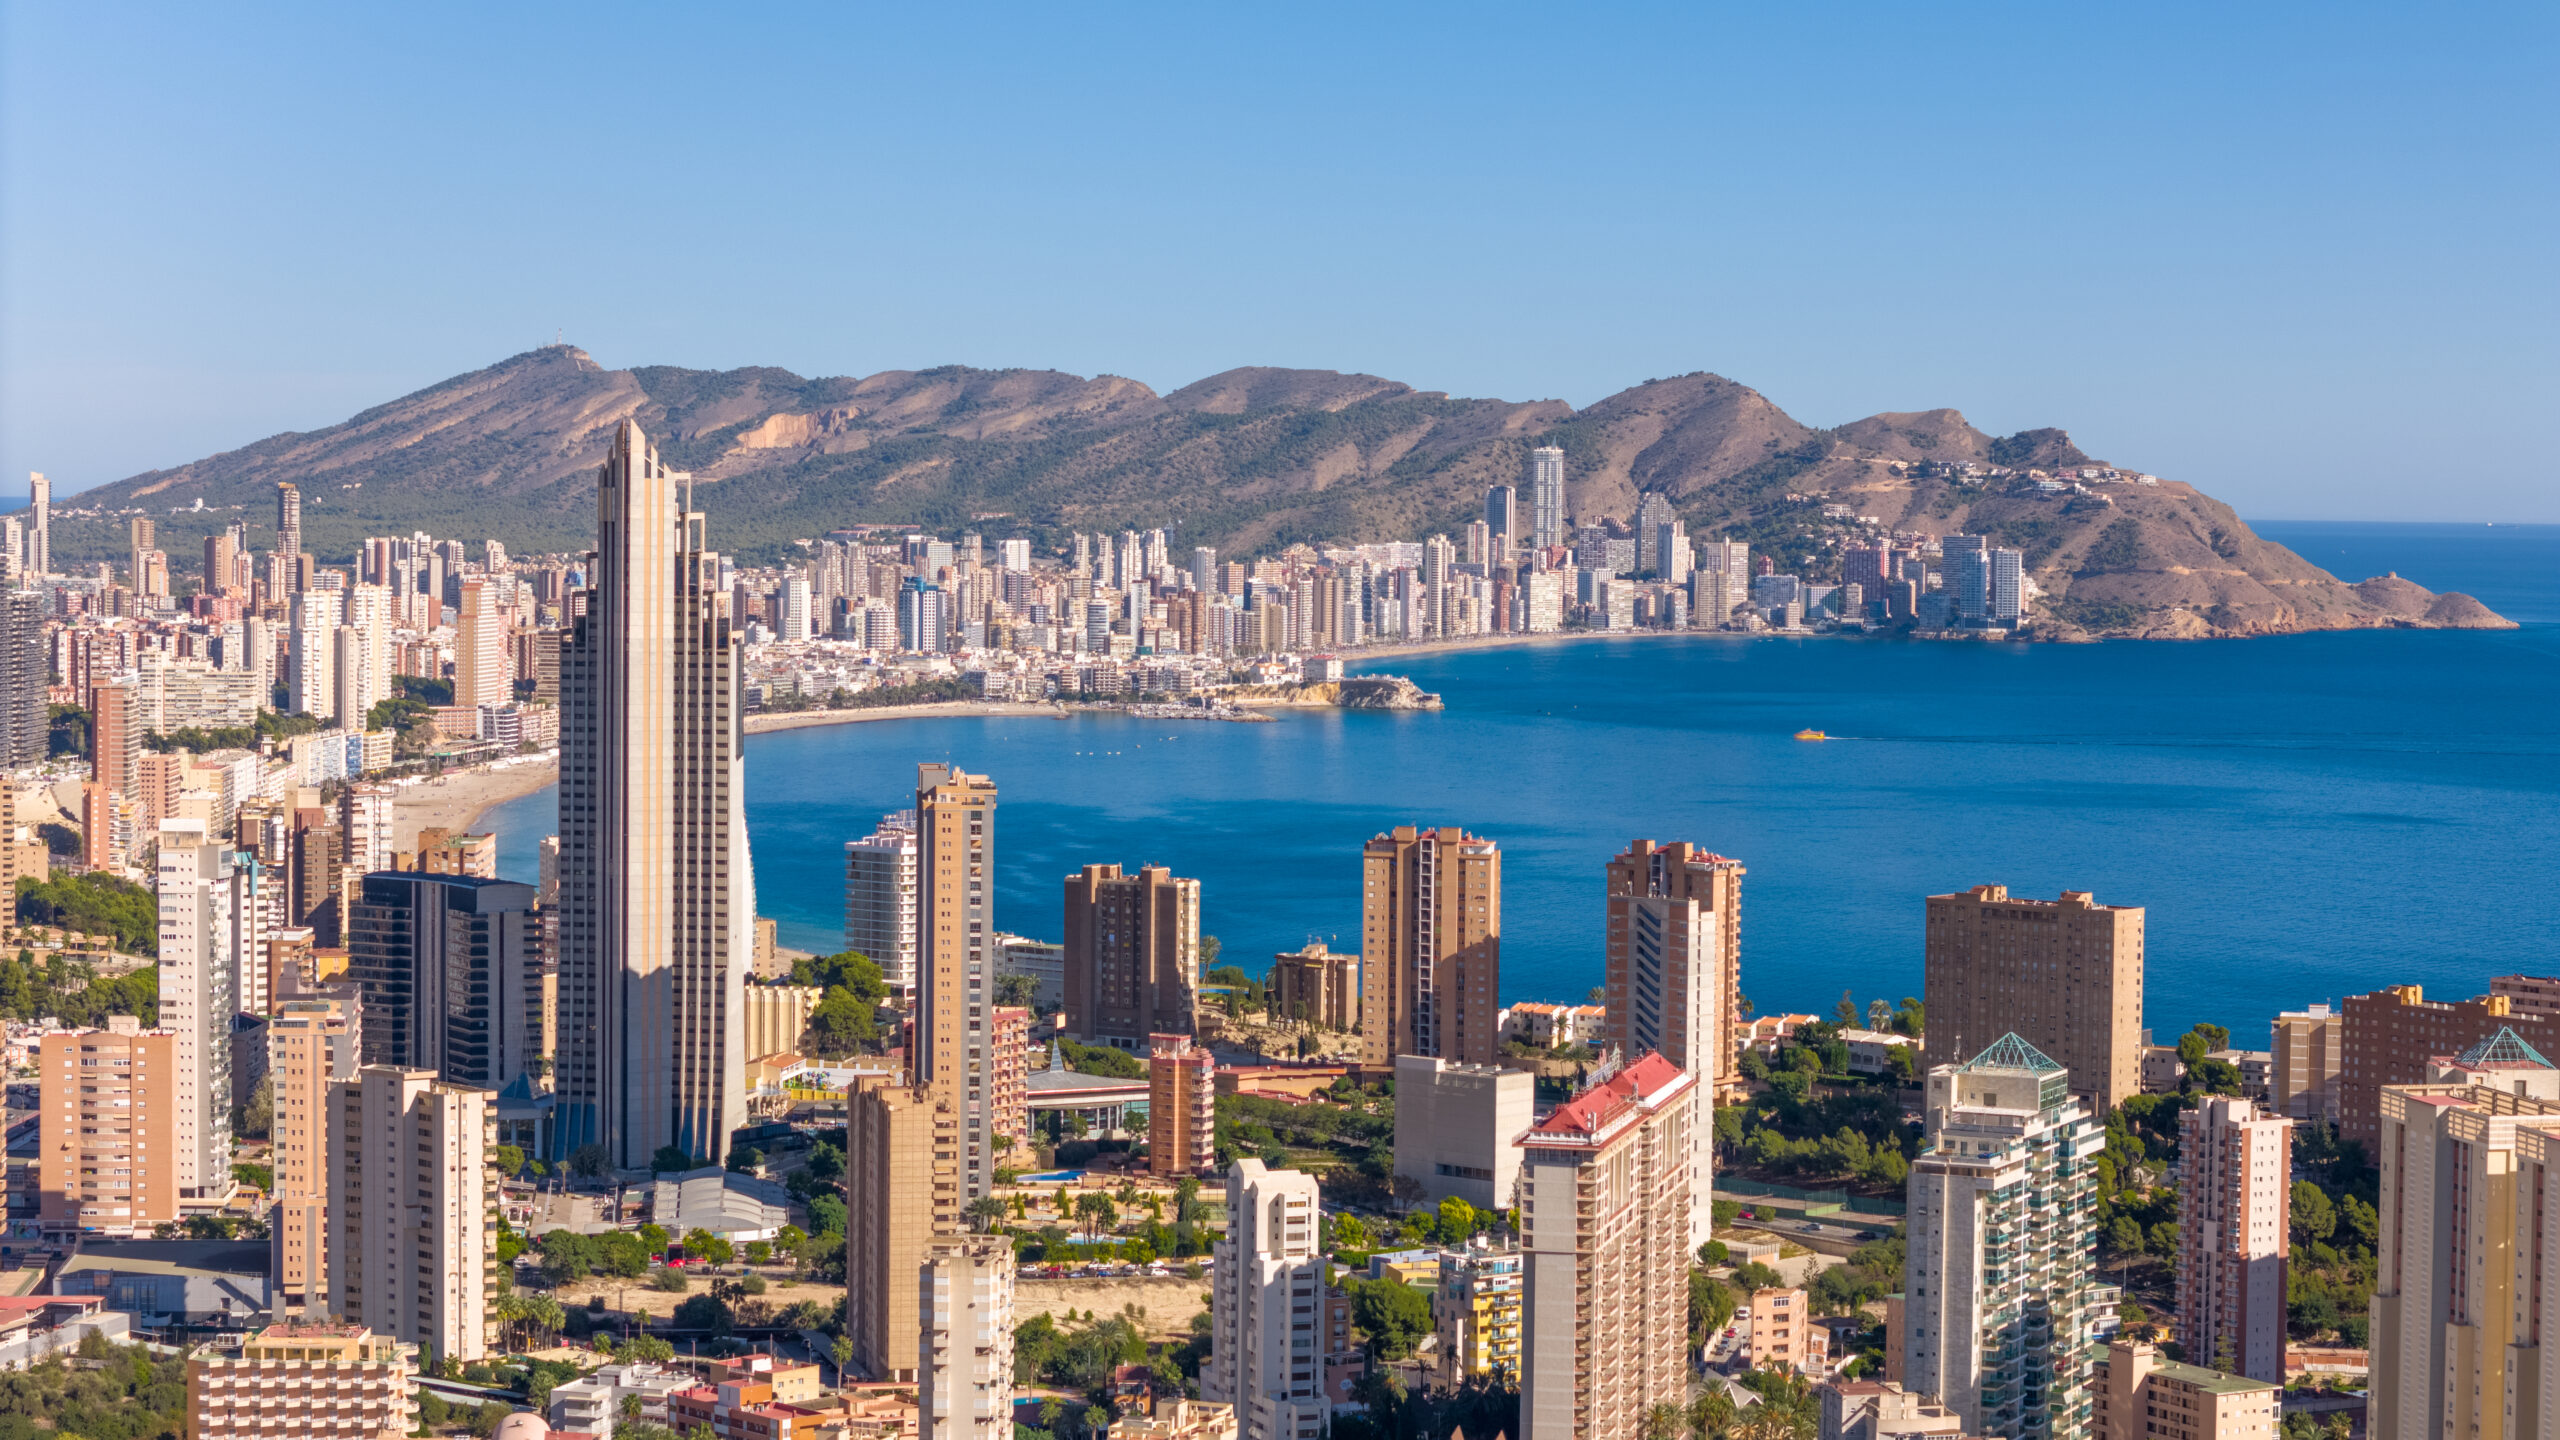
<point x="1251" y="461"/>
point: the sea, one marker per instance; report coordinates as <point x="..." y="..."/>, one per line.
<point x="2302" y="817"/>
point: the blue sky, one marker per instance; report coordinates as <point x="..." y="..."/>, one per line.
<point x="2298" y="255"/>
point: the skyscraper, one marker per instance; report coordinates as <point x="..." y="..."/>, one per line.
<point x="40" y="533"/>
<point x="1266" y="1357"/>
<point x="1997" y="1306"/>
<point x="880" y="898"/>
<point x="956" y="958"/>
<point x="2234" y="1212"/>
<point x="208" y="906"/>
<point x="23" y="666"/>
<point x="964" y="1369"/>
<point x="2470" y="1233"/>
<point x="1606" y="1196"/>
<point x="2065" y="975"/>
<point x="221" y="552"/>
<point x="1674" y="965"/>
<point x="793" y="624"/>
<point x="1546" y="496"/>
<point x="657" y="897"/>
<point x="108" y="1137"/>
<point x="289" y="521"/>
<point x="1502" y="517"/>
<point x="1181" y="1107"/>
<point x="450" y="967"/>
<point x="902" y="1187"/>
<point x="2307" y="1053"/>
<point x="480" y="648"/>
<point x="1132" y="955"/>
<point x="1431" y="946"/>
<point x="1204" y="569"/>
<point x="413" y="1209"/>
<point x="311" y="1050"/>
<point x="315" y="624"/>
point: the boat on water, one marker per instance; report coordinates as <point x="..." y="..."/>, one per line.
<point x="1811" y="735"/>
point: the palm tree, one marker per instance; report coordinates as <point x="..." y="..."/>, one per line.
<point x="1710" y="1415"/>
<point x="1662" y="1422"/>
<point x="984" y="1212"/>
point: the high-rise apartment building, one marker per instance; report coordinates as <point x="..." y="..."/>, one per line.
<point x="361" y="656"/>
<point x="1721" y="581"/>
<point x="450" y="967"/>
<point x="1430" y="946"/>
<point x="2063" y="975"/>
<point x="314" y="685"/>
<point x="1606" y="1195"/>
<point x="303" y="1382"/>
<point x="2470" y="1225"/>
<point x="366" y="824"/>
<point x="115" y="736"/>
<point x="208" y="935"/>
<point x="657" y="894"/>
<point x="23" y="669"/>
<point x="2234" y="1212"/>
<point x="964" y="1370"/>
<point x="2394" y="1034"/>
<point x="2304" y="1062"/>
<point x="1502" y="520"/>
<point x="1674" y="965"/>
<point x="311" y="1050"/>
<point x="107" y="1135"/>
<point x="1132" y="955"/>
<point x="1546" y="497"/>
<point x="481" y="675"/>
<point x="288" y="518"/>
<point x="413" y="1209"/>
<point x="956" y="957"/>
<point x="40" y="526"/>
<point x="902" y="1188"/>
<point x="1182" y="1101"/>
<point x="1266" y="1306"/>
<point x="1997" y="1307"/>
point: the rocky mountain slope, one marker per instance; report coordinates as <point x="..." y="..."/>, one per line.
<point x="1248" y="461"/>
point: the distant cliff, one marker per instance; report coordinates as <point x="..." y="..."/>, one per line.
<point x="1359" y="692"/>
<point x="1247" y="461"/>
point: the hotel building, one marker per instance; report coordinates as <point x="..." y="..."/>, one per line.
<point x="2063" y="975"/>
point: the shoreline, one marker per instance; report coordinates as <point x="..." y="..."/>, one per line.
<point x="458" y="800"/>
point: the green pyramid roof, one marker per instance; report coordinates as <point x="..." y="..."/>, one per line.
<point x="2504" y="1048"/>
<point x="2011" y="1053"/>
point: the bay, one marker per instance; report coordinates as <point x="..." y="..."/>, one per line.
<point x="2302" y="817"/>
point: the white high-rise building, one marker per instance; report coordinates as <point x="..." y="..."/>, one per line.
<point x="880" y="898"/>
<point x="1266" y="1306"/>
<point x="657" y="895"/>
<point x="413" y="1206"/>
<point x="794" y="620"/>
<point x="40" y="533"/>
<point x="315" y="626"/>
<point x="1013" y="554"/>
<point x="1721" y="581"/>
<point x="207" y="915"/>
<point x="2235" y="1209"/>
<point x="1204" y="569"/>
<point x="1997" y="1284"/>
<point x="365" y="821"/>
<point x="964" y="1362"/>
<point x="1546" y="496"/>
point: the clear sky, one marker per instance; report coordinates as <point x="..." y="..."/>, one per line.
<point x="2299" y="255"/>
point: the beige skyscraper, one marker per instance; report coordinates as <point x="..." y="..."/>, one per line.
<point x="2063" y="975"/>
<point x="360" y="657"/>
<point x="2234" y="1211"/>
<point x="1675" y="957"/>
<point x="1266" y="1351"/>
<point x="902" y="1188"/>
<point x="657" y="897"/>
<point x="1132" y="955"/>
<point x="314" y="684"/>
<point x="2470" y="1232"/>
<point x="2307" y="1056"/>
<point x="480" y="675"/>
<point x="1430" y="946"/>
<point x="40" y="530"/>
<point x="288" y="519"/>
<point x="956" y="957"/>
<point x="1606" y="1197"/>
<point x="311" y="1048"/>
<point x="413" y="1209"/>
<point x="143" y="537"/>
<point x="964" y="1378"/>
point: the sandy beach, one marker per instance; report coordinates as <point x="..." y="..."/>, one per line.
<point x="793" y="720"/>
<point x="461" y="797"/>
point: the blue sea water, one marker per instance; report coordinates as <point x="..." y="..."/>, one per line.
<point x="2303" y="817"/>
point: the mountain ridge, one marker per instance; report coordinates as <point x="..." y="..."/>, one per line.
<point x="1247" y="460"/>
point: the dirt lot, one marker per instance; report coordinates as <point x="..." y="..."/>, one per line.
<point x="1169" y="1304"/>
